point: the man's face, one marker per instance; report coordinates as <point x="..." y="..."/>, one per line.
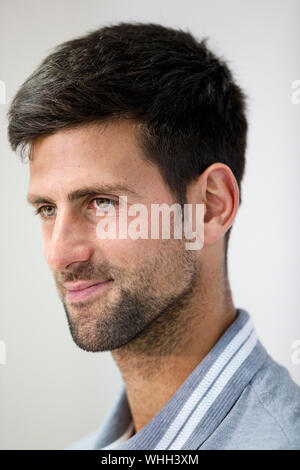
<point x="145" y="277"/>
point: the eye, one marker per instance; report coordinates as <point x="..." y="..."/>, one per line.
<point x="45" y="211"/>
<point x="105" y="201"/>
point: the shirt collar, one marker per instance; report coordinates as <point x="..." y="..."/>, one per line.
<point x="200" y="403"/>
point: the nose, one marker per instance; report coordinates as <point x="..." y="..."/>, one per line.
<point x="68" y="241"/>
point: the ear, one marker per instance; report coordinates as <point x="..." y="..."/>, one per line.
<point x="218" y="190"/>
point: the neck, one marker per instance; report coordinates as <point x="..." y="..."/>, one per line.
<point x="157" y="362"/>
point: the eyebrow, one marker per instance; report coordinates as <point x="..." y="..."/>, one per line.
<point x="83" y="192"/>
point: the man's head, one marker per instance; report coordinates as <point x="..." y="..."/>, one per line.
<point x="138" y="110"/>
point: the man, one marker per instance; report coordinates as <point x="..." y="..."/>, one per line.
<point x="147" y="114"/>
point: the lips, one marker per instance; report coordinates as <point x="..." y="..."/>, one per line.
<point x="80" y="285"/>
<point x="79" y="291"/>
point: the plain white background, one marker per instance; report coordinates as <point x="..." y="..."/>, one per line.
<point x="51" y="392"/>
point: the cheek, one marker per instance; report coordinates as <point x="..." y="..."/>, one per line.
<point x="120" y="243"/>
<point x="46" y="239"/>
<point x="129" y="254"/>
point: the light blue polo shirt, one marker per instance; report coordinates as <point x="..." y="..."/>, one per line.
<point x="237" y="397"/>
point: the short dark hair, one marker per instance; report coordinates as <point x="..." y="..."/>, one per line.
<point x="192" y="113"/>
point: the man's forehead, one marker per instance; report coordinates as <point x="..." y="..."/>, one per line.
<point x="95" y="143"/>
<point x="82" y="158"/>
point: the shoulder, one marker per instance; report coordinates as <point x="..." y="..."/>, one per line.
<point x="266" y="416"/>
<point x="279" y="395"/>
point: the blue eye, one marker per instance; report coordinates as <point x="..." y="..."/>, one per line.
<point x="104" y="199"/>
<point x="42" y="211"/>
<point x="47" y="212"/>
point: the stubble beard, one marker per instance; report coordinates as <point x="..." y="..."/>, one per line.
<point x="143" y="312"/>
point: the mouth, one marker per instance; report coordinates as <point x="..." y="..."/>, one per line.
<point x="80" y="291"/>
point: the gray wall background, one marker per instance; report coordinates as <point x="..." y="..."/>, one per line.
<point x="51" y="392"/>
